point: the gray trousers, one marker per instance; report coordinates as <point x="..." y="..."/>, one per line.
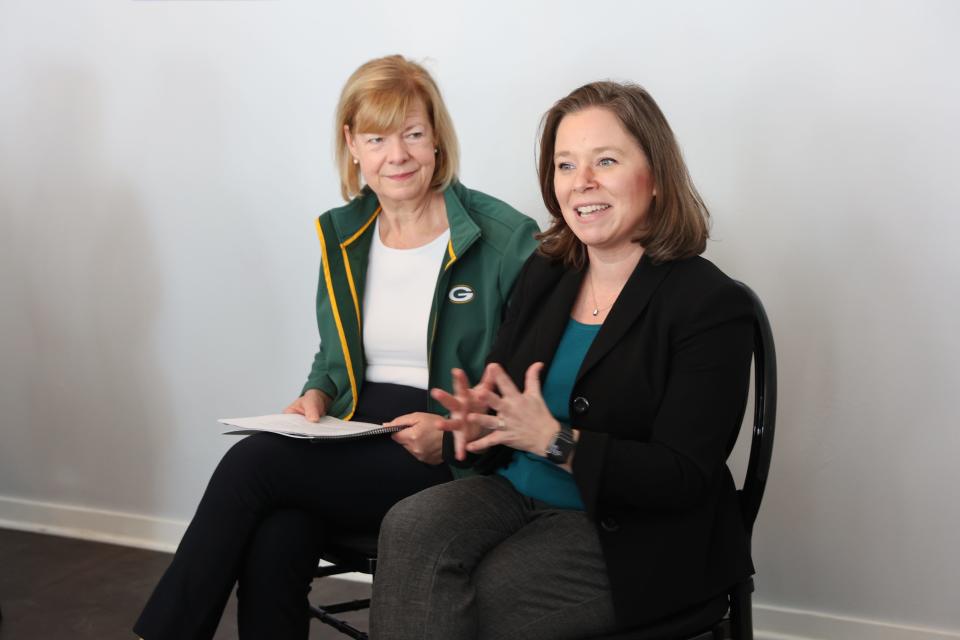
<point x="474" y="558"/>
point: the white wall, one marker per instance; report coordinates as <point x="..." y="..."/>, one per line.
<point x="161" y="163"/>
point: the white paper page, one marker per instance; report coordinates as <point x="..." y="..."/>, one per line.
<point x="295" y="425"/>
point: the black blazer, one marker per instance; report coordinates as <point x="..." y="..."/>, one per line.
<point x="658" y="400"/>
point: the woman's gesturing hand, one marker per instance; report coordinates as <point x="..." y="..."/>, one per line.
<point x="422" y="437"/>
<point x="462" y="402"/>
<point x="312" y="405"/>
<point x="522" y="419"/>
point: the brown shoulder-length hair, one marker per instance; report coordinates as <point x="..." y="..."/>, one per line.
<point x="376" y="99"/>
<point x="677" y="223"/>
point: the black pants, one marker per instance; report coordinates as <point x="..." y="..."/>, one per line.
<point x="261" y="522"/>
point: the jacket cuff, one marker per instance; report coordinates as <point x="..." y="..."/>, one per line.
<point x="321" y="383"/>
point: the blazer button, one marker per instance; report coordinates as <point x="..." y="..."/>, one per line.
<point x="580" y="405"/>
<point x="609" y="524"/>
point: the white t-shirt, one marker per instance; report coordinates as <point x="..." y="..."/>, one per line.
<point x="397" y="299"/>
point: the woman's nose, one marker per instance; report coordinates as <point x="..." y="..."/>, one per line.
<point x="397" y="151"/>
<point x="584" y="179"/>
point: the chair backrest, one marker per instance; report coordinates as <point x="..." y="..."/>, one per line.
<point x="764" y="412"/>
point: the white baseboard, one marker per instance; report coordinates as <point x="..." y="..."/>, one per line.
<point x="158" y="534"/>
<point x="115" y="527"/>
<point x="99" y="525"/>
<point x="782" y="623"/>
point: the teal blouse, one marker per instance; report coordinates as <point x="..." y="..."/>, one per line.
<point x="532" y="475"/>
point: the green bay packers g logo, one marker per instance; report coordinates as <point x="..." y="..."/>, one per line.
<point x="461" y="293"/>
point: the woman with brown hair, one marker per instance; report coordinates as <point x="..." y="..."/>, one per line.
<point x="415" y="273"/>
<point x="601" y="425"/>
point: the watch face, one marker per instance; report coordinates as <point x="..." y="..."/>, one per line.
<point x="562" y="446"/>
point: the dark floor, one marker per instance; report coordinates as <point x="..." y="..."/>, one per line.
<point x="61" y="588"/>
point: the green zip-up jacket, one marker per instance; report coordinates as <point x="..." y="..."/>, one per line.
<point x="489" y="243"/>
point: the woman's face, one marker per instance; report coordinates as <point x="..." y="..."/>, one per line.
<point x="398" y="165"/>
<point x="602" y="179"/>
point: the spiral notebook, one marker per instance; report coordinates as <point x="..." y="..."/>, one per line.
<point x="296" y="426"/>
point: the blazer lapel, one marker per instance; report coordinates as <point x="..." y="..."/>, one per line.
<point x="545" y="316"/>
<point x="554" y="315"/>
<point x="636" y="294"/>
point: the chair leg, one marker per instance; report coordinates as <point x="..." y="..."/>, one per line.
<point x="741" y="611"/>
<point x="721" y="631"/>
<point x="324" y="616"/>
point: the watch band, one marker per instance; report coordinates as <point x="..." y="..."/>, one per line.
<point x="562" y="446"/>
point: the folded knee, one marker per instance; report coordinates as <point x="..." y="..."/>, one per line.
<point x="248" y="455"/>
<point x="404" y="518"/>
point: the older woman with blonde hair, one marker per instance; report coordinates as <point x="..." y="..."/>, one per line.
<point x="416" y="270"/>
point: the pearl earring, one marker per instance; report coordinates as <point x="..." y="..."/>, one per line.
<point x="355" y="161"/>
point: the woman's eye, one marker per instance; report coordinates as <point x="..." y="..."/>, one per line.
<point x="375" y="139"/>
<point x="415" y="135"/>
<point x="565" y="166"/>
<point x="607" y="162"/>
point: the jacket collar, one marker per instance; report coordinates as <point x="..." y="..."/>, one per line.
<point x="463" y="230"/>
<point x="634" y="298"/>
<point x="554" y="312"/>
<point x="354" y="220"/>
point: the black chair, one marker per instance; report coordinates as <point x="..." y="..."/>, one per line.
<point x="730" y="616"/>
<point x="346" y="553"/>
<point x="726" y="617"/>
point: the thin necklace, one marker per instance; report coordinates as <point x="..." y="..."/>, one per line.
<point x="593" y="293"/>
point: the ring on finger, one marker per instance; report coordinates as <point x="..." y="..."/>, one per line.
<point x="501" y="424"/>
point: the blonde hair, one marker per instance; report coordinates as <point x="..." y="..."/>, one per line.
<point x="376" y="98"/>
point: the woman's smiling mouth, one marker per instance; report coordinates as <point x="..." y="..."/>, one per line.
<point x="586" y="210"/>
